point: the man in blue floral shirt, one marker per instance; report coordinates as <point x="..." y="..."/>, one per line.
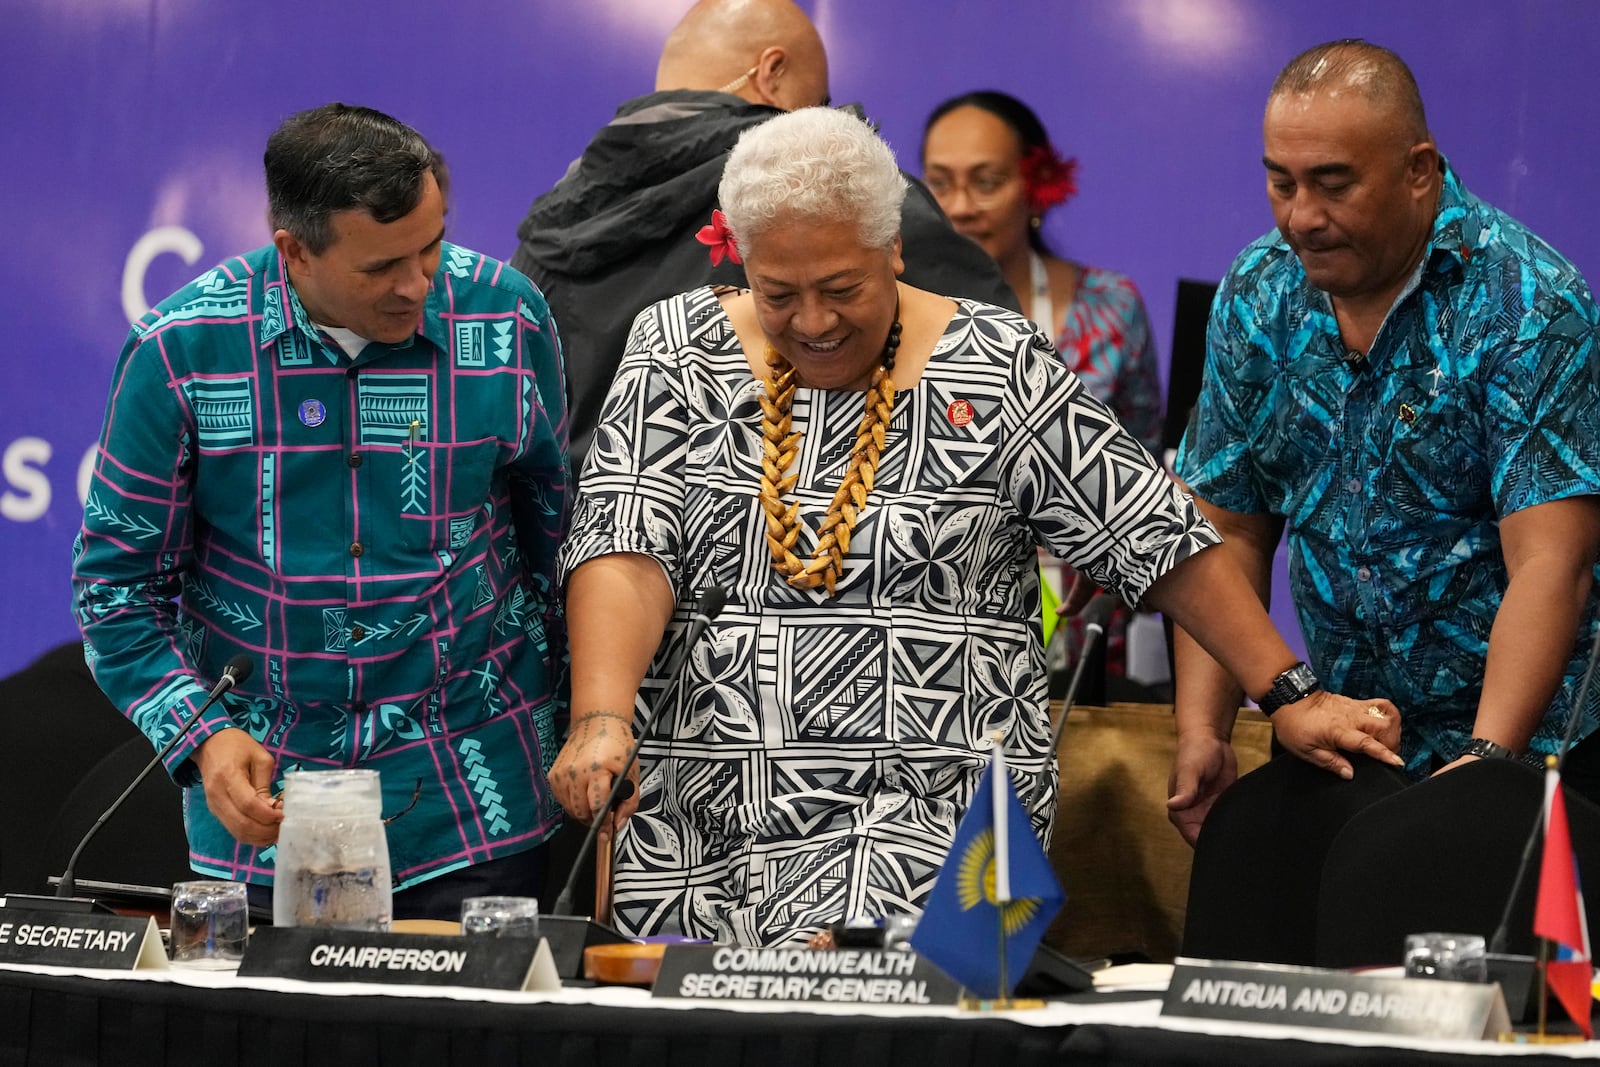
<point x="1406" y="379"/>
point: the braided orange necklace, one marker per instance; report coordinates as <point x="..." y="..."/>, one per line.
<point x="780" y="444"/>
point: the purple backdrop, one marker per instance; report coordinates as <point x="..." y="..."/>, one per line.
<point x="134" y="130"/>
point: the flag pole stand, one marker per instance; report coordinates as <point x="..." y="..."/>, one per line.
<point x="1544" y="992"/>
<point x="1005" y="1001"/>
<point x="1002" y="1004"/>
<point x="1004" y="984"/>
<point x="1542" y="1036"/>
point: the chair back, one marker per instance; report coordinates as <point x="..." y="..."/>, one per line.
<point x="1443" y="855"/>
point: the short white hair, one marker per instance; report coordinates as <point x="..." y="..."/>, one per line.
<point x="818" y="165"/>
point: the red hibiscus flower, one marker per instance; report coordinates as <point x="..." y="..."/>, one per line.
<point x="1048" y="179"/>
<point x="719" y="238"/>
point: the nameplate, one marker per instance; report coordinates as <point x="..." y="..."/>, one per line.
<point x="1307" y="996"/>
<point x="81" y="939"/>
<point x="833" y="976"/>
<point x="312" y="954"/>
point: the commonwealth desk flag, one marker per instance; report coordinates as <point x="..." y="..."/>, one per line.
<point x="989" y="895"/>
<point x="1558" y="914"/>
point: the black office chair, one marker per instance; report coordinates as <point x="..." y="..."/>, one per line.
<point x="60" y="734"/>
<point x="143" y="844"/>
<point x="1443" y="855"/>
<point x="1185" y="367"/>
<point x="1256" y="882"/>
<point x="1186" y="364"/>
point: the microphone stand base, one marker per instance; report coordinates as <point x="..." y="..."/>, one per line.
<point x="1516" y="977"/>
<point x="569" y="935"/>
<point x="71" y="905"/>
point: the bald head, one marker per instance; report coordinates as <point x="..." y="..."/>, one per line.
<point x="765" y="51"/>
<point x="1358" y="68"/>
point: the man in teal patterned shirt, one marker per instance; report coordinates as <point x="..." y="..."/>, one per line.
<point x="344" y="455"/>
<point x="1409" y="380"/>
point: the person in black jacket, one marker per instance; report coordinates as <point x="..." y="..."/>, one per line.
<point x="617" y="233"/>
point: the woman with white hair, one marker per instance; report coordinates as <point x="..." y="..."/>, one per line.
<point x="866" y="470"/>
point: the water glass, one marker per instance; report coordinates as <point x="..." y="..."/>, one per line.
<point x="500" y="916"/>
<point x="897" y="931"/>
<point x="1451" y="957"/>
<point x="210" y="923"/>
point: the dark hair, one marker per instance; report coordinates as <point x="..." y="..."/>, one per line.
<point x="1009" y="110"/>
<point x="1372" y="70"/>
<point x="337" y="157"/>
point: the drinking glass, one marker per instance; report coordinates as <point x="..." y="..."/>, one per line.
<point x="500" y="916"/>
<point x="1451" y="957"/>
<point x="210" y="923"/>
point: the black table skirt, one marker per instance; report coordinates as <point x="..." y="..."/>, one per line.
<point x="50" y="1021"/>
<point x="69" y="1020"/>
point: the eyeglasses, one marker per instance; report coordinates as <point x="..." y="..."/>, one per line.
<point x="982" y="189"/>
<point x="416" y="794"/>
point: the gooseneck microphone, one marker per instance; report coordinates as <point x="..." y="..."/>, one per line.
<point x="237" y="670"/>
<point x="1096" y="617"/>
<point x="705" y="610"/>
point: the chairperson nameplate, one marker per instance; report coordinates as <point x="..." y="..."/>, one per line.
<point x="312" y="954"/>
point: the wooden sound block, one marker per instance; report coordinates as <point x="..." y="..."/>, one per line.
<point x="628" y="964"/>
<point x="424" y="926"/>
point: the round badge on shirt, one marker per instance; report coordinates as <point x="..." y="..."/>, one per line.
<point x="312" y="413"/>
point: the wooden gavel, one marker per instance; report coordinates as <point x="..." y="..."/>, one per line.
<point x="603" y="860"/>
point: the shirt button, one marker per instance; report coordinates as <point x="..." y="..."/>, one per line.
<point x="358" y="632"/>
<point x="356" y="549"/>
<point x="1353" y="485"/>
<point x="355" y="459"/>
<point x="1364" y="574"/>
<point x="359" y="707"/>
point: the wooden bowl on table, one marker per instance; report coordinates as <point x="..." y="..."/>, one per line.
<point x="626" y="964"/>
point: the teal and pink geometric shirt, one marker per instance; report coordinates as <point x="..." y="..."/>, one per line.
<point x="378" y="534"/>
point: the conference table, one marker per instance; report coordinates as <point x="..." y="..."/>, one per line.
<point x="51" y="1016"/>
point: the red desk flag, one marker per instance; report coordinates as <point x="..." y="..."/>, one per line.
<point x="1558" y="916"/>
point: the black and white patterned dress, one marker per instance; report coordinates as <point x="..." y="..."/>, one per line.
<point x="819" y="753"/>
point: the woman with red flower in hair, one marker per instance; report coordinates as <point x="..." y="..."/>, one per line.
<point x="988" y="161"/>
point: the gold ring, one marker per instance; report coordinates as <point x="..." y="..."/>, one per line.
<point x="1378" y="712"/>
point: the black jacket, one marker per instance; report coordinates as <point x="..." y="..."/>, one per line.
<point x="617" y="234"/>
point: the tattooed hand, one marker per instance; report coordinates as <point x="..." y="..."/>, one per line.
<point x="597" y="746"/>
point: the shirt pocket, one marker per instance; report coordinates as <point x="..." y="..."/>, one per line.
<point x="1298" y="437"/>
<point x="1433" y="467"/>
<point x="443" y="504"/>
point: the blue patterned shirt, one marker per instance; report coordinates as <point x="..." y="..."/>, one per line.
<point x="1479" y="398"/>
<point x="378" y="534"/>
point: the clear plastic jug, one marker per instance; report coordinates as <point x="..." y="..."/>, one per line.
<point x="333" y="856"/>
